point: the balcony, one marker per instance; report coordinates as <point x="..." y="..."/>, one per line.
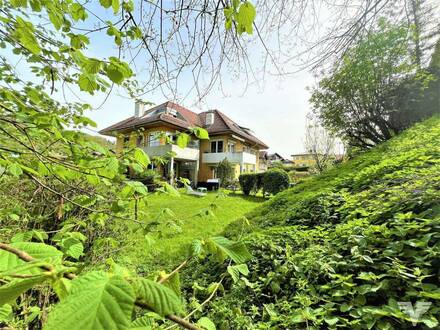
<point x="233" y="157"/>
<point x="179" y="153"/>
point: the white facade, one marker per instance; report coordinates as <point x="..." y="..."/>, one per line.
<point x="233" y="157"/>
<point x="179" y="153"/>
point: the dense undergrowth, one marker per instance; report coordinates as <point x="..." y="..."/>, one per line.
<point x="343" y="249"/>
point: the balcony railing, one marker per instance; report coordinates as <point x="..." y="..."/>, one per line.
<point x="188" y="153"/>
<point x="233" y="157"/>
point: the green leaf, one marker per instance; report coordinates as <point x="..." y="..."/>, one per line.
<point x="10" y="291"/>
<point x="206" y="323"/>
<point x="5" y="313"/>
<point x="128" y="5"/>
<point x="78" y="12"/>
<point x="182" y="140"/>
<point x="173" y="282"/>
<point x="430" y="321"/>
<point x="91" y="65"/>
<point x="24" y="31"/>
<point x="117" y="71"/>
<point x="237" y="251"/>
<point x="201" y="133"/>
<point x="87" y="82"/>
<point x="18" y="3"/>
<point x="237" y="270"/>
<point x="55" y="16"/>
<point x="141" y="157"/>
<point x="96" y="301"/>
<point x="15" y="169"/>
<point x="62" y="287"/>
<point x="72" y="247"/>
<point x="115" y="6"/>
<point x="145" y="322"/>
<point x="331" y="320"/>
<point x="39" y="251"/>
<point x="157" y="297"/>
<point x="245" y="18"/>
<point x="106" y="3"/>
<point x="196" y="248"/>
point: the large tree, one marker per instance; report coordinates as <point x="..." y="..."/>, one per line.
<point x="357" y="100"/>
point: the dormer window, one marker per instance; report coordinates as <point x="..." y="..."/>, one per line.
<point x="209" y="120"/>
<point x="172" y="112"/>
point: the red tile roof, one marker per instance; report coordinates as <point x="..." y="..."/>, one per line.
<point x="222" y="123"/>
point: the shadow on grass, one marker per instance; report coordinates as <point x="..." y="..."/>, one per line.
<point x="250" y="198"/>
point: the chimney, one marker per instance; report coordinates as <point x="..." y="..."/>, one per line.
<point x="138" y="109"/>
<point x="209" y="120"/>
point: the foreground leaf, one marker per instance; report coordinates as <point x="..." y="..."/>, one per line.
<point x="39" y="251"/>
<point x="157" y="297"/>
<point x="237" y="251"/>
<point x="9" y="292"/>
<point x="96" y="301"/>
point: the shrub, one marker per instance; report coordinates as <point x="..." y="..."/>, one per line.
<point x="275" y="180"/>
<point x="341" y="249"/>
<point x="149" y="178"/>
<point x="247" y="182"/>
<point x="259" y="181"/>
<point x="225" y="172"/>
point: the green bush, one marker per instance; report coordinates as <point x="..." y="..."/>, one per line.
<point x="275" y="180"/>
<point x="343" y="248"/>
<point x="259" y="181"/>
<point x="247" y="182"/>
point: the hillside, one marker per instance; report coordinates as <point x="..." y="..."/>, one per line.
<point x="344" y="248"/>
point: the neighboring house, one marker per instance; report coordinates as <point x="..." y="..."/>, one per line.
<point x="275" y="157"/>
<point x="197" y="162"/>
<point x="263" y="161"/>
<point x="303" y="160"/>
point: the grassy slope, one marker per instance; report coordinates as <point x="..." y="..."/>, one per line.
<point x="341" y="248"/>
<point x="167" y="247"/>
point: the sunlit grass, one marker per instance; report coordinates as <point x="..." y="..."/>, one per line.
<point x="196" y="217"/>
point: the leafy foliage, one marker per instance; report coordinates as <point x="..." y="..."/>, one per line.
<point x="161" y="299"/>
<point x="66" y="198"/>
<point x="275" y="180"/>
<point x="225" y="172"/>
<point x="247" y="182"/>
<point x="341" y="249"/>
<point x="358" y="100"/>
<point x="95" y="301"/>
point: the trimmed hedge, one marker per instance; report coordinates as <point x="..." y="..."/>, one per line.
<point x="247" y="182"/>
<point x="272" y="181"/>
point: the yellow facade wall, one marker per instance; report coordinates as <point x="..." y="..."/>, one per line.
<point x="205" y="170"/>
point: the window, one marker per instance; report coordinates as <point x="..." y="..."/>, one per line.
<point x="153" y="139"/>
<point x="231" y="146"/>
<point x="126" y="140"/>
<point x="217" y="146"/>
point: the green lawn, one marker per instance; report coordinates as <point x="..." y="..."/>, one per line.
<point x="197" y="218"/>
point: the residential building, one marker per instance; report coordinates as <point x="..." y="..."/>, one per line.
<point x="304" y="160"/>
<point x="263" y="161"/>
<point x="150" y="128"/>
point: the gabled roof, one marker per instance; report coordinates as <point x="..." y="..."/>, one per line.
<point x="224" y="124"/>
<point x="184" y="118"/>
<point x="276" y="156"/>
